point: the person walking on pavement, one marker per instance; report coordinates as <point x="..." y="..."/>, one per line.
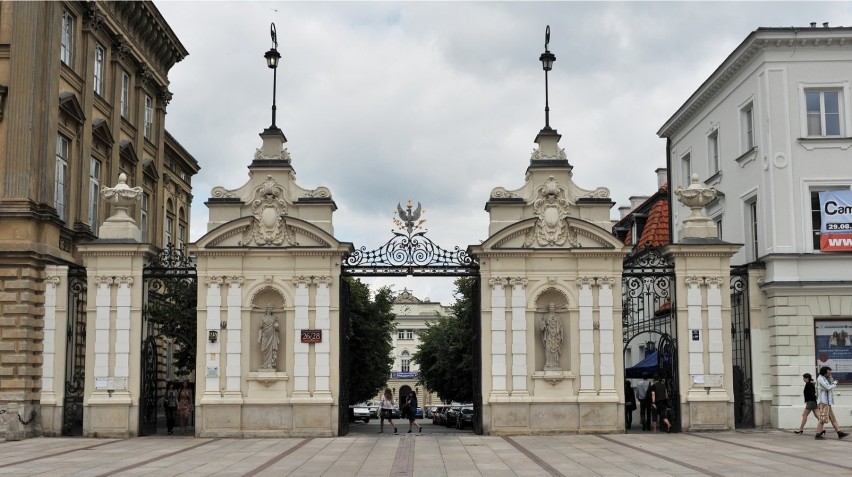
<point x="412" y="412"/>
<point x="629" y="404"/>
<point x="644" y="396"/>
<point x="825" y="399"/>
<point x="386" y="411"/>
<point x="170" y="403"/>
<point x="810" y="402"/>
<point x="659" y="403"/>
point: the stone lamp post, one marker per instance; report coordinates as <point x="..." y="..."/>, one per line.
<point x="121" y="225"/>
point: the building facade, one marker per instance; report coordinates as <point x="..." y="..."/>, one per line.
<point x="770" y="129"/>
<point x="83" y="98"/>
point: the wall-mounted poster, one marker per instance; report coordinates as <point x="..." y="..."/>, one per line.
<point x="834" y="347"/>
<point x="835" y="234"/>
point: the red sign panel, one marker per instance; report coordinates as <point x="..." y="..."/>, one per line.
<point x="311" y="336"/>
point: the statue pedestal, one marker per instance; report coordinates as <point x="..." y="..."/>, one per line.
<point x="267" y="386"/>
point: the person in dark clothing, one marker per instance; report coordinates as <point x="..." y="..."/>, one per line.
<point x="810" y="402"/>
<point x="629" y="404"/>
<point x="170" y="402"/>
<point x="643" y="394"/>
<point x="659" y="404"/>
<point x="412" y="412"/>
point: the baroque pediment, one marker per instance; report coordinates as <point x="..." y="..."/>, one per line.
<point x="577" y="234"/>
<point x="289" y="233"/>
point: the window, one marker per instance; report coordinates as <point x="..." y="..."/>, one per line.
<point x="62" y="147"/>
<point x="149" y="117"/>
<point x="747" y="121"/>
<point x="406" y="334"/>
<point x="406" y="362"/>
<point x="170" y="221"/>
<point x="687" y="170"/>
<point x="99" y="70"/>
<point x="66" y="42"/>
<point x="719" y="228"/>
<point x="713" y="151"/>
<point x="125" y="95"/>
<point x="816" y="216"/>
<point x="181" y="229"/>
<point x="823" y="112"/>
<point x="94" y="193"/>
<point x="752" y="250"/>
<point x="143" y="219"/>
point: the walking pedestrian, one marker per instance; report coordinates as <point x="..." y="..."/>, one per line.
<point x="412" y="412"/>
<point x="184" y="406"/>
<point x="170" y="403"/>
<point x="644" y="397"/>
<point x="629" y="404"/>
<point x="825" y="398"/>
<point x="810" y="402"/>
<point x="386" y="411"/>
<point x="659" y="404"/>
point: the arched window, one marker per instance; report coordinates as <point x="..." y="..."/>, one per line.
<point x="406" y="360"/>
<point x="170" y="222"/>
<point x="181" y="228"/>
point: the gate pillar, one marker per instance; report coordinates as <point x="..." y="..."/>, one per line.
<point x="702" y="271"/>
<point x="114" y="311"/>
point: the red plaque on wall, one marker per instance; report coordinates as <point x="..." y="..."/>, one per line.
<point x="311" y="336"/>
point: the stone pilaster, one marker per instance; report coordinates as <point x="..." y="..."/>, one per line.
<point x="520" y="372"/>
<point x="498" y="338"/>
<point x="587" y="336"/>
<point x="122" y="328"/>
<point x="695" y="325"/>
<point x="212" y="350"/>
<point x="233" y="347"/>
<point x="301" y="369"/>
<point x="606" y="334"/>
<point x="322" y="349"/>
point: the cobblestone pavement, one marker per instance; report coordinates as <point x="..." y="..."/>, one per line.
<point x="751" y="453"/>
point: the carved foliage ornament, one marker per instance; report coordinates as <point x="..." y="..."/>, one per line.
<point x="269" y="226"/>
<point x="551" y="209"/>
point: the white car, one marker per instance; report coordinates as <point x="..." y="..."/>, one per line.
<point x="361" y="413"/>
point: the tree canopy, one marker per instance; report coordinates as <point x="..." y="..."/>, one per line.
<point x="370" y="343"/>
<point x="446" y="353"/>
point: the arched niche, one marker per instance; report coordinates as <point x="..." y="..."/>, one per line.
<point x="268" y="298"/>
<point x="552" y="301"/>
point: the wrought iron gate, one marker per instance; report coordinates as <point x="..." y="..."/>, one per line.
<point x="169" y="326"/>
<point x="410" y="253"/>
<point x="75" y="353"/>
<point x="649" y="314"/>
<point x="741" y="349"/>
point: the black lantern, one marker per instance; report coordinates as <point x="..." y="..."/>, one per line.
<point x="547" y="58"/>
<point x="272" y="57"/>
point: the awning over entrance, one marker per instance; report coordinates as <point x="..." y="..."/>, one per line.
<point x="648" y="365"/>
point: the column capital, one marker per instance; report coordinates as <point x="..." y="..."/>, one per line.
<point x="693" y="281"/>
<point x="714" y="281"/>
<point x="210" y="281"/>
<point x="301" y="281"/>
<point x="327" y="281"/>
<point x="52" y="281"/>
<point x="234" y="281"/>
<point x="605" y="281"/>
<point x="584" y="282"/>
<point x="498" y="282"/>
<point x="519" y="282"/>
<point x="104" y="280"/>
<point x="125" y="281"/>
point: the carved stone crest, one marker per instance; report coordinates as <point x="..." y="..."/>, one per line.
<point x="551" y="208"/>
<point x="269" y="208"/>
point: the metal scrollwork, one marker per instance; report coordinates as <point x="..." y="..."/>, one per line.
<point x="410" y="252"/>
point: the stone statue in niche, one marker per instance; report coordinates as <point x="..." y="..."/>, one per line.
<point x="268" y="338"/>
<point x="551" y="337"/>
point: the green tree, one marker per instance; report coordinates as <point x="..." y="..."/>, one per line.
<point x="446" y="353"/>
<point x="370" y="327"/>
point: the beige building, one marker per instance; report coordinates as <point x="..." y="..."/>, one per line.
<point x="83" y="98"/>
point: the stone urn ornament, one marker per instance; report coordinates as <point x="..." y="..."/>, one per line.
<point x="696" y="197"/>
<point x="121" y="225"/>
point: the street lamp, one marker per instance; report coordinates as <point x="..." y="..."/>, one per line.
<point x="547" y="58"/>
<point x="272" y="56"/>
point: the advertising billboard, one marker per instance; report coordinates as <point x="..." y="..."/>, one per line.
<point x="834" y="348"/>
<point x="835" y="208"/>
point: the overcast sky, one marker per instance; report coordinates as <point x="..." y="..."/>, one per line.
<point x="439" y="102"/>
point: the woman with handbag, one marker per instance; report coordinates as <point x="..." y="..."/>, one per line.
<point x="386" y="411"/>
<point x="810" y="402"/>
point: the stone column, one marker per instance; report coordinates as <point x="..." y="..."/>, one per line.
<point x="695" y="325"/>
<point x="519" y="338"/>
<point x="55" y="318"/>
<point x="323" y="348"/>
<point x="212" y="350"/>
<point x="498" y="339"/>
<point x="233" y="348"/>
<point x="103" y="302"/>
<point x="607" y="334"/>
<point x="587" y="335"/>
<point x="122" y="328"/>
<point x="301" y="368"/>
<point x="715" y="336"/>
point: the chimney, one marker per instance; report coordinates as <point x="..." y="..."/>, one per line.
<point x="636" y="200"/>
<point x="623" y="211"/>
<point x="813" y="24"/>
<point x="662" y="176"/>
<point x="825" y="24"/>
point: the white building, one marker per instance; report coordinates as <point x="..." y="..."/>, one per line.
<point x="770" y="129"/>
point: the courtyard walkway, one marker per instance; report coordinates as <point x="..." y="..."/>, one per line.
<point x="752" y="453"/>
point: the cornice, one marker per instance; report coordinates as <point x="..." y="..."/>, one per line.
<point x="756" y="43"/>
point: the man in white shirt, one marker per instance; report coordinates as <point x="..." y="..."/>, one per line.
<point x="825" y="398"/>
<point x="644" y="403"/>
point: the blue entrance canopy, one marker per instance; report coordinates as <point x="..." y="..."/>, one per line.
<point x="648" y="365"/>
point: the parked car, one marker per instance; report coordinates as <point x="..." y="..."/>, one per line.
<point x="374" y="409"/>
<point x="361" y="413"/>
<point x="418" y="414"/>
<point x="428" y="411"/>
<point x="451" y="416"/>
<point x="437" y="415"/>
<point x="395" y="414"/>
<point x="464" y="417"/>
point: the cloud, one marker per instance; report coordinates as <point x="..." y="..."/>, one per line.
<point x="439" y="102"/>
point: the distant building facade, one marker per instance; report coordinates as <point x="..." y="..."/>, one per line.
<point x="770" y="129"/>
<point x="83" y="98"/>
